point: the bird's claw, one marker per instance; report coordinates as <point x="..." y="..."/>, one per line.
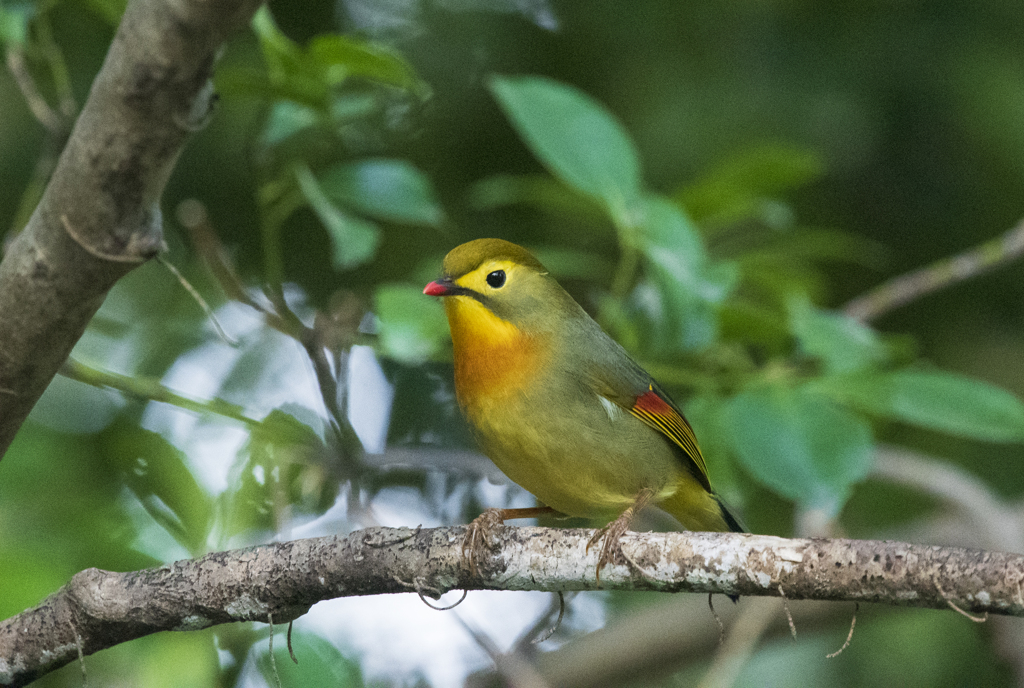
<point x="478" y="538"/>
<point x="611" y="547"/>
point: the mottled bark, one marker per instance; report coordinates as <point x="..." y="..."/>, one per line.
<point x="99" y="609"/>
<point x="100" y="215"/>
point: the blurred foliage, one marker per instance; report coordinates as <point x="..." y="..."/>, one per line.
<point x="322" y="665"/>
<point x="710" y="181"/>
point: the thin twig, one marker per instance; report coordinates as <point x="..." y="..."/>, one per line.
<point x="994" y="519"/>
<point x="230" y="341"/>
<point x="291" y="652"/>
<point x="54" y="57"/>
<point x="420" y="587"/>
<point x="740" y="643"/>
<point x="270" y="651"/>
<point x="37" y="105"/>
<point x="326" y="381"/>
<point x="542" y="628"/>
<point x="81" y="654"/>
<point x="943" y="273"/>
<point x="975" y="619"/>
<point x="150" y="389"/>
<point x="789" y="615"/>
<point x="558" y="622"/>
<point x="127" y="256"/>
<point x="517" y="671"/>
<point x="721" y="626"/>
<point x="192" y="215"/>
<point x="57" y="123"/>
<point x="849" y="636"/>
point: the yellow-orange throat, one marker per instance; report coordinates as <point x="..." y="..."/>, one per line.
<point x="493" y="357"/>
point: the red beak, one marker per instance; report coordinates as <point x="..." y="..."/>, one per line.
<point x="441" y="287"/>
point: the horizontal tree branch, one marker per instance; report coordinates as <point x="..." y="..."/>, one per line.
<point x="100" y="609"/>
<point x="100" y="216"/>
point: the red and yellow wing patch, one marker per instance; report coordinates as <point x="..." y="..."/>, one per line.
<point x="659" y="413"/>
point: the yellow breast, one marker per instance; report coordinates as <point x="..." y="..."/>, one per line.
<point x="493" y="358"/>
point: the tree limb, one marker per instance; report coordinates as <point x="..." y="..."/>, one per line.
<point x="284" y="579"/>
<point x="943" y="273"/>
<point x="99" y="216"/>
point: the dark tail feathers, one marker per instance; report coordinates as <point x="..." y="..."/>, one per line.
<point x="730" y="520"/>
<point x="735" y="526"/>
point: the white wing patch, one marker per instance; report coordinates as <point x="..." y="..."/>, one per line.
<point x="613" y="410"/>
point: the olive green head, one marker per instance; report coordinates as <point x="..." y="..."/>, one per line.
<point x="508" y="281"/>
<point x="467" y="257"/>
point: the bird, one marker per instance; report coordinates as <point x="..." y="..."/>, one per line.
<point x="561" y="408"/>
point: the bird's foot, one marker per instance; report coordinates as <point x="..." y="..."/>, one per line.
<point x="611" y="534"/>
<point x="609" y="537"/>
<point x="480" y="533"/>
<point x="478" y="538"/>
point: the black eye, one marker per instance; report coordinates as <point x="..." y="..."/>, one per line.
<point x="496" y="279"/>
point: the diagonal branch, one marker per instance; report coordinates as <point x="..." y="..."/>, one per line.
<point x="285" y="579"/>
<point x="99" y="216"/>
<point x="943" y="273"/>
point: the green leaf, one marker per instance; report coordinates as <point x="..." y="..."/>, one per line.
<point x="674" y="321"/>
<point x="689" y="285"/>
<point x="286" y="119"/>
<point x="282" y="54"/>
<point x="412" y="326"/>
<point x="751" y="323"/>
<point x="281" y="428"/>
<point x="938" y="400"/>
<point x="282" y="458"/>
<point x="538" y="190"/>
<point x="739" y="184"/>
<point x="29" y="573"/>
<point x="157" y="473"/>
<point x="310" y="75"/>
<point x="800" y="444"/>
<point x="320" y="664"/>
<point x="350" y="106"/>
<point x="816" y="245"/>
<point x="343" y="56"/>
<point x="240" y="80"/>
<point x="191" y="655"/>
<point x="576" y="138"/>
<point x="670" y="240"/>
<point x="572" y="263"/>
<point x="290" y="72"/>
<point x="354" y="240"/>
<point x="842" y="343"/>
<point x="14" y="20"/>
<point x="391" y="190"/>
